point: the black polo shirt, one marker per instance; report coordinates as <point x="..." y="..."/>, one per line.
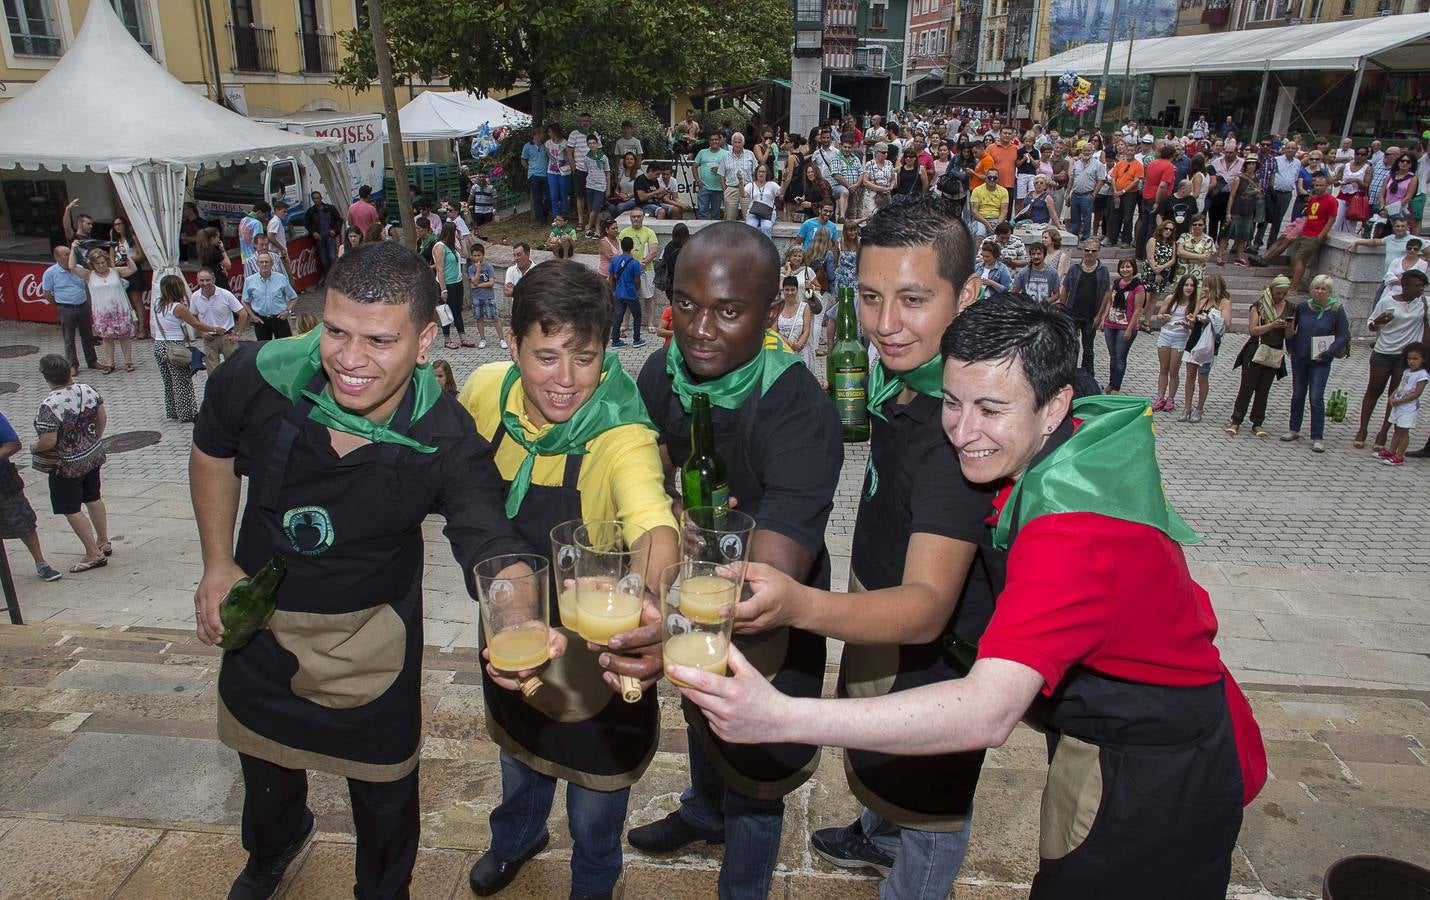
<point x="913" y="485"/>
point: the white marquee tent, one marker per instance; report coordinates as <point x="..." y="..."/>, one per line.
<point x="1392" y="43"/>
<point x="149" y="139"/>
<point x="447" y="115"/>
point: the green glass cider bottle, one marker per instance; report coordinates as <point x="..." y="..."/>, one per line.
<point x="247" y="606"/>
<point x="848" y="369"/>
<point x="703" y="481"/>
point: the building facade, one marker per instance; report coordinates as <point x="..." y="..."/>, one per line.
<point x="263" y="57"/>
<point x="864" y="53"/>
<point x="1211" y="16"/>
<point x="933" y="28"/>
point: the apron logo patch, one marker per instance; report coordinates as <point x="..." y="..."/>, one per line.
<point x="309" y="529"/>
<point x="871" y="479"/>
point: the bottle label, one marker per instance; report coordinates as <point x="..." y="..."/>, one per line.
<point x="720" y="499"/>
<point x="850" y="395"/>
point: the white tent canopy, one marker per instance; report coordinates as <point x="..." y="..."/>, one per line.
<point x="447" y="115"/>
<point x="148" y="145"/>
<point x="1397" y="43"/>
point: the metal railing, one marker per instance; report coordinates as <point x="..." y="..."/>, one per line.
<point x="320" y="52"/>
<point x="254" y="49"/>
<point x="34" y="39"/>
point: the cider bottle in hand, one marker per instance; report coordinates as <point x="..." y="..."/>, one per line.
<point x="247" y="606"/>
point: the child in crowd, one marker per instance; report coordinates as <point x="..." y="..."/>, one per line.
<point x="443" y="372"/>
<point x="1405" y="404"/>
<point x="562" y="240"/>
<point x="483" y="204"/>
<point x="625" y="284"/>
<point x="482" y="279"/>
<point x="666" y="328"/>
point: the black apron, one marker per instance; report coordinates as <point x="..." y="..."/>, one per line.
<point x="792" y="659"/>
<point x="334" y="682"/>
<point x="1144" y="791"/>
<point x="575" y="727"/>
<point x="928" y="793"/>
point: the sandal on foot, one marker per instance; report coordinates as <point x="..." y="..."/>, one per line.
<point x="467" y="343"/>
<point x="1261" y="433"/>
<point x="106" y="548"/>
<point x="450" y="345"/>
<point x="1233" y="430"/>
<point x="85" y="565"/>
<point x="106" y="370"/>
<point x="129" y="367"/>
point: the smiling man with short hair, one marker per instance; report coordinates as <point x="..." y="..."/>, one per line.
<point x="348" y="444"/>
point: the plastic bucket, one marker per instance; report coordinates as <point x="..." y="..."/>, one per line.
<point x="1375" y="878"/>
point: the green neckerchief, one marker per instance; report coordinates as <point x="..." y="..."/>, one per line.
<point x="729" y="390"/>
<point x="884" y="385"/>
<point x="1108" y="466"/>
<point x="615" y="402"/>
<point x="289" y="364"/>
<point x="1319" y="309"/>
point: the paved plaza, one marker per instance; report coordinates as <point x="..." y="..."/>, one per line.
<point x="115" y="785"/>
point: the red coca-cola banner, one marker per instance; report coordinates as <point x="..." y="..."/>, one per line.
<point x="20" y="282"/>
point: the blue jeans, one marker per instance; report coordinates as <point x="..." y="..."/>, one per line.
<point x="1117" y="350"/>
<point x="540" y="197"/>
<point x="765" y="225"/>
<point x="752" y="827"/>
<point x="1080" y="215"/>
<point x="925" y="862"/>
<point x="1306" y="374"/>
<point x="622" y="304"/>
<point x="594" y="817"/>
<point x="327" y="251"/>
<point x="709" y="203"/>
<point x="557" y="189"/>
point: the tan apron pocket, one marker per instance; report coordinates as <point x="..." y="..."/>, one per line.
<point x="869" y="669"/>
<point x="1071" y="797"/>
<point x="766" y="651"/>
<point x="572" y="689"/>
<point x="345" y="660"/>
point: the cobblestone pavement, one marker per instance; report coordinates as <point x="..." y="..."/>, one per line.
<point x="1319" y="587"/>
<point x="1349" y="776"/>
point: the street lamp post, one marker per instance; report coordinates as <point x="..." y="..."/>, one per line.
<point x="1106" y="65"/>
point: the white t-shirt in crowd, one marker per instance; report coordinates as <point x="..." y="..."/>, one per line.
<point x="218" y="310"/>
<point x="1405" y="414"/>
<point x="513" y="274"/>
<point x="1404" y="329"/>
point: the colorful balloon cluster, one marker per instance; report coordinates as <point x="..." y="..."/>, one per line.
<point x="1077" y="93"/>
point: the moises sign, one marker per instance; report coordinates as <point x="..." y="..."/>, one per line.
<point x="20" y="293"/>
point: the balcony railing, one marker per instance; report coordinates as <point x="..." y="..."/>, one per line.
<point x="253" y="48"/>
<point x="320" y="52"/>
<point x="34" y="40"/>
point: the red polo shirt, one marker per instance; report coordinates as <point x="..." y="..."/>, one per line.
<point x="1115" y="597"/>
<point x="1159" y="171"/>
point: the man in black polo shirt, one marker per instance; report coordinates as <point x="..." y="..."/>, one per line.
<point x="348" y="443"/>
<point x="923" y="572"/>
<point x="780" y="439"/>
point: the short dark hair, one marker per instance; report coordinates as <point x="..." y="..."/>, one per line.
<point x="1413" y="347"/>
<point x="628" y="244"/>
<point x="56" y="369"/>
<point x="789" y="280"/>
<point x="365" y="191"/>
<point x="627" y="123"/>
<point x="1039" y="335"/>
<point x="1003" y="228"/>
<point x="386" y="272"/>
<point x="561" y="293"/>
<point x="1168" y="151"/>
<point x="263" y="207"/>
<point x="423" y="222"/>
<point x="525" y="247"/>
<point x="1414" y="273"/>
<point x="925" y="220"/>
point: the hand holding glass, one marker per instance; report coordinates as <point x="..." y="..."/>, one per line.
<point x="697" y="608"/>
<point x="513" y="591"/>
<point x="610" y="587"/>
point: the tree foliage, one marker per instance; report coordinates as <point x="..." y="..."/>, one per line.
<point x="592" y="46"/>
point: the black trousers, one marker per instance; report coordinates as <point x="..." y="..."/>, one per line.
<point x="385" y="817"/>
<point x="268" y="327"/>
<point x="1088" y="328"/>
<point x="1256" y="384"/>
<point x="1120" y="214"/>
<point x="1216" y="213"/>
<point x="1145" y="222"/>
<point x="75" y="319"/>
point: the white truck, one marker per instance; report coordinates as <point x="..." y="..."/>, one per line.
<point x="228" y="192"/>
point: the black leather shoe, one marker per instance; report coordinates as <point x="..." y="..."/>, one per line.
<point x="492" y="873"/>
<point x="849" y="848"/>
<point x="260" y="878"/>
<point x="1423" y="453"/>
<point x="670" y="834"/>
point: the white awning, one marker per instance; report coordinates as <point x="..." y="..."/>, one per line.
<point x="1397" y="43"/>
<point x="444" y="115"/>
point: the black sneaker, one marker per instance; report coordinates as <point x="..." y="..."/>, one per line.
<point x="260" y="878"/>
<point x="670" y="834"/>
<point x="848" y="848"/>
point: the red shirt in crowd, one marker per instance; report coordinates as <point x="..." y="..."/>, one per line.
<point x="1159" y="171"/>
<point x="1115" y="597"/>
<point x="1320" y="213"/>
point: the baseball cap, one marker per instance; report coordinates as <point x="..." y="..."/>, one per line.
<point x="1147" y="139"/>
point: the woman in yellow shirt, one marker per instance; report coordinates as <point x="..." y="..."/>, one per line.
<point x="572" y="440"/>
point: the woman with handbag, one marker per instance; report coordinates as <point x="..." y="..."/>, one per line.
<point x="70" y="427"/>
<point x="760" y="196"/>
<point x="1263" y="358"/>
<point x="1399" y="191"/>
<point x="1209" y="318"/>
<point x="1321" y="333"/>
<point x="172" y="353"/>
<point x="1353" y="183"/>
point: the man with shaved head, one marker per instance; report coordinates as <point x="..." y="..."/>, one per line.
<point x="781" y="442"/>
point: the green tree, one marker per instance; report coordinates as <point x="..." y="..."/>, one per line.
<point x="592" y="46"/>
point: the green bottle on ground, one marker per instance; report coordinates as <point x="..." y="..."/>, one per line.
<point x="848" y="370"/>
<point x="703" y="481"/>
<point x="247" y="606"/>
